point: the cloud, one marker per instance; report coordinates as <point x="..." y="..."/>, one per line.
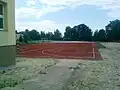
<point x="37" y="8"/>
<point x="101" y="3"/>
<point x="112" y="7"/>
<point x="30" y="2"/>
<point x="44" y="25"/>
<point x="33" y="9"/>
<point x="25" y="12"/>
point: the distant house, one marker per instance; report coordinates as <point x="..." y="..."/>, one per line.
<point x="7" y="33"/>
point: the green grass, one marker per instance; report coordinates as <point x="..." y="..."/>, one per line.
<point x="9" y="79"/>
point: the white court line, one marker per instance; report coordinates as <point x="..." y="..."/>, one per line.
<point x="43" y="52"/>
<point x="93" y="54"/>
<point x="25" y="51"/>
<point x="61" y="48"/>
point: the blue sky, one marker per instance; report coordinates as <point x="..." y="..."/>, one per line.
<point x="48" y="15"/>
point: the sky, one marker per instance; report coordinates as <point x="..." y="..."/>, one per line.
<point x="48" y="15"/>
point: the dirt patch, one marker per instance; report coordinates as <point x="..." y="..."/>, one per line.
<point x="73" y="75"/>
<point x="101" y="75"/>
<point x="25" y="69"/>
<point x="99" y="45"/>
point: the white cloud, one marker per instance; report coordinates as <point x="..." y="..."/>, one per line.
<point x="114" y="13"/>
<point x="112" y="5"/>
<point x="101" y="3"/>
<point x="32" y="9"/>
<point x="25" y="12"/>
<point x="45" y="25"/>
<point x="31" y="2"/>
<point x="37" y="8"/>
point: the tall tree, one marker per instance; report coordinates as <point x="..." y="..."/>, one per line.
<point x="84" y="32"/>
<point x="95" y="36"/>
<point x="79" y="32"/>
<point x="50" y="36"/>
<point x="74" y="34"/>
<point x="16" y="31"/>
<point x="57" y="35"/>
<point x="34" y="35"/>
<point x="113" y="30"/>
<point x="26" y="36"/>
<point x="102" y="35"/>
<point x="42" y="35"/>
<point x="67" y="33"/>
<point x="21" y="38"/>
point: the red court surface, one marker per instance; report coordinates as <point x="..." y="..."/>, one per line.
<point x="61" y="51"/>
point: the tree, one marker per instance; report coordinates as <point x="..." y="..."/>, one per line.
<point x="57" y="35"/>
<point x="34" y="35"/>
<point x="113" y="30"/>
<point x="26" y="36"/>
<point x="78" y="33"/>
<point x="42" y="35"/>
<point x="21" y="38"/>
<point x="16" y="32"/>
<point x="71" y="33"/>
<point x="84" y="32"/>
<point x="95" y="36"/>
<point x="101" y="35"/>
<point x="67" y="34"/>
<point x="50" y="36"/>
<point x="74" y="33"/>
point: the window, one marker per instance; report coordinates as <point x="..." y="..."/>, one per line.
<point x="1" y="17"/>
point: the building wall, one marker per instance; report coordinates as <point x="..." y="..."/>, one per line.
<point x="8" y="36"/>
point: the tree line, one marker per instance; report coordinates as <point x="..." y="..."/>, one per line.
<point x="34" y="35"/>
<point x="79" y="32"/>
